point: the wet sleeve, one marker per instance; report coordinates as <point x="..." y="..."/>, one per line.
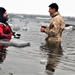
<point x="53" y="29"/>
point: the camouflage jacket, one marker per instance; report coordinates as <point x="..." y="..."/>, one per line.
<point x="54" y="30"/>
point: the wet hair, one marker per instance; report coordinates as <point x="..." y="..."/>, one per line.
<point x="54" y="5"/>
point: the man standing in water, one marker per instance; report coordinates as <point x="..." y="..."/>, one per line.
<point x="54" y="30"/>
<point x="5" y="29"/>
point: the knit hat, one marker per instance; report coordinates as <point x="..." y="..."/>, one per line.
<point x="2" y="10"/>
<point x="2" y="18"/>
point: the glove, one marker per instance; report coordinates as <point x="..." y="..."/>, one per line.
<point x="17" y="36"/>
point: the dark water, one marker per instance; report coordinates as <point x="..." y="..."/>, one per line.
<point x="40" y="58"/>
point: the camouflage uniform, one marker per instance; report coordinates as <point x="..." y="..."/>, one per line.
<point x="54" y="30"/>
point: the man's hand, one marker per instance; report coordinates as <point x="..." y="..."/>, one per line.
<point x="16" y="35"/>
<point x="42" y="29"/>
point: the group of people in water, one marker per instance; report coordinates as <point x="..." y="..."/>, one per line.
<point x="53" y="31"/>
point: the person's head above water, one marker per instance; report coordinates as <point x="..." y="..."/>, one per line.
<point x="53" y="8"/>
<point x="3" y="14"/>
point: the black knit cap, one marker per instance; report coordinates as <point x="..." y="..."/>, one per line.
<point x="2" y="10"/>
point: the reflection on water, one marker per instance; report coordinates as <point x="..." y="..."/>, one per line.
<point x="54" y="52"/>
<point x="2" y="56"/>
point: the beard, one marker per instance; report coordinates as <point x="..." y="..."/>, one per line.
<point x="5" y="18"/>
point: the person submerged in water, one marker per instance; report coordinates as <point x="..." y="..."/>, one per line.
<point x="5" y="29"/>
<point x="57" y="24"/>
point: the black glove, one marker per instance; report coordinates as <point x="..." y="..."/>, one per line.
<point x="16" y="35"/>
<point x="13" y="33"/>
